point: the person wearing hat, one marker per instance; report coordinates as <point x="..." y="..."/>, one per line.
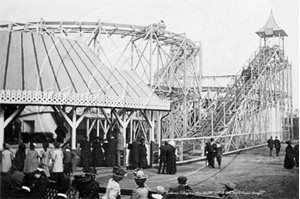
<point x="277" y="146"/>
<point x="57" y="165"/>
<point x="142" y="154"/>
<point x="31" y="160"/>
<point x="120" y="147"/>
<point x="209" y="152"/>
<point x="159" y="193"/>
<point x="182" y="186"/>
<point x="113" y="189"/>
<point x="7" y="157"/>
<point x="142" y="190"/>
<point x="270" y="145"/>
<point x="87" y="186"/>
<point x="228" y="192"/>
<point x="40" y="184"/>
<point x="289" y="162"/>
<point x="163" y="158"/>
<point x="45" y="154"/>
<point x="218" y="153"/>
<point x="134" y="153"/>
<point x="171" y="158"/>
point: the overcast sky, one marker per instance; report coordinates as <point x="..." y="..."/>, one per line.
<point x="225" y="28"/>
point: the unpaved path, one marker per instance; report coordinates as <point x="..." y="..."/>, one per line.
<point x="255" y="174"/>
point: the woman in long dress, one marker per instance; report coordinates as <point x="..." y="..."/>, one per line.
<point x="97" y="154"/>
<point x="7" y="157"/>
<point x="289" y="156"/>
<point x="45" y="158"/>
<point x="31" y="160"/>
<point x="20" y="157"/>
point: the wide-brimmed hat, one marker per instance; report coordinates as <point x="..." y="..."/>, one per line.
<point x="119" y="172"/>
<point x="90" y="171"/>
<point x="139" y="174"/>
<point x="172" y="143"/>
<point x="160" y="190"/>
<point x="230" y="185"/>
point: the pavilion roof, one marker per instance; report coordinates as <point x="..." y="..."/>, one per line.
<point x="271" y="28"/>
<point x="38" y="69"/>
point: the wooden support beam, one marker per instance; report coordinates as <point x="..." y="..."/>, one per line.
<point x="13" y="115"/>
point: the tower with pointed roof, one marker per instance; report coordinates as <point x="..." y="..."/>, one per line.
<point x="272" y="31"/>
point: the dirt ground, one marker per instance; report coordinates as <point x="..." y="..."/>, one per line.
<point x="255" y="173"/>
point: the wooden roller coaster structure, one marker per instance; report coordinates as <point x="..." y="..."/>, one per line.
<point x="255" y="104"/>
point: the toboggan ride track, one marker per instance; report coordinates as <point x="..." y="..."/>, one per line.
<point x="244" y="114"/>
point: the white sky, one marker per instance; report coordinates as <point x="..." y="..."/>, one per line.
<point x="226" y="28"/>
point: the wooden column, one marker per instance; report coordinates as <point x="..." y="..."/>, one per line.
<point x="2" y="127"/>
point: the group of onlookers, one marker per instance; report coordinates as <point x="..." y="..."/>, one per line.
<point x="291" y="158"/>
<point x="213" y="150"/>
<point x="167" y="158"/>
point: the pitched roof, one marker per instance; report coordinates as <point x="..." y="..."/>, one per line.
<point x="271" y="28"/>
<point x="41" y="69"/>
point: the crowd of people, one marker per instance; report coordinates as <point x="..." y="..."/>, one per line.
<point x="167" y="158"/>
<point x="47" y="173"/>
<point x="291" y="158"/>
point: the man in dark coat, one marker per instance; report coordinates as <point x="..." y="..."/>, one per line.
<point x="277" y="146"/>
<point x="270" y="145"/>
<point x="218" y="153"/>
<point x="86" y="152"/>
<point x="112" y="151"/>
<point x="143" y="154"/>
<point x="209" y="152"/>
<point x="134" y="153"/>
<point x="163" y="158"/>
<point x="120" y="147"/>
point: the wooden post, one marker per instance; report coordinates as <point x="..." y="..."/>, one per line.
<point x="2" y="127"/>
